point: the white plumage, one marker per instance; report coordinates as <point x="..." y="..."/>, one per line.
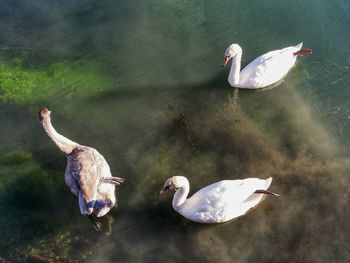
<point x="218" y="202"/>
<point x="265" y="70"/>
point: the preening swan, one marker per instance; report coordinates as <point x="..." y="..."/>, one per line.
<point x="218" y="202"/>
<point x="264" y="70"/>
<point x="87" y="173"/>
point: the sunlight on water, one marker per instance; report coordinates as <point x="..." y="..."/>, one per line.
<point x="141" y="82"/>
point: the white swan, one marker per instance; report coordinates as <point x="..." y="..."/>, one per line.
<point x="218" y="202"/>
<point x="264" y="70"/>
<point x="87" y="173"/>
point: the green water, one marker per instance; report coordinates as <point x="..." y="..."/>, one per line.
<point x="140" y="81"/>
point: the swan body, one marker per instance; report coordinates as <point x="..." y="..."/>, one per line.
<point x="263" y="71"/>
<point x="87" y="173"/>
<point x="218" y="202"/>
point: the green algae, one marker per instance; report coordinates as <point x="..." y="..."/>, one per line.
<point x="36" y="228"/>
<point x="27" y="184"/>
<point x="23" y="84"/>
<point x="58" y="247"/>
<point x="62" y="244"/>
<point x="16" y="158"/>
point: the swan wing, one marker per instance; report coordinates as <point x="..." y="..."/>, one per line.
<point x="268" y="68"/>
<point x="224" y="200"/>
<point x="84" y="170"/>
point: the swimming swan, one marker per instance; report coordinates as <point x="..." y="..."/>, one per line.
<point x="87" y="173"/>
<point x="264" y="70"/>
<point x="218" y="202"/>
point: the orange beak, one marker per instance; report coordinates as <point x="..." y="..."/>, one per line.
<point x="165" y="189"/>
<point x="224" y="62"/>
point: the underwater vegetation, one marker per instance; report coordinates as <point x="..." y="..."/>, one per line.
<point x="309" y="175"/>
<point x="27" y="185"/>
<point x="27" y="84"/>
<point x="28" y="192"/>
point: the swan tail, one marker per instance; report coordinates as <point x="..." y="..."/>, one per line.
<point x="265" y="192"/>
<point x="268" y="182"/>
<point x="112" y="180"/>
<point x="299" y="46"/>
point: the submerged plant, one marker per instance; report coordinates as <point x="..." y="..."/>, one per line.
<point x="36" y="228"/>
<point x="27" y="85"/>
<point x="29" y="186"/>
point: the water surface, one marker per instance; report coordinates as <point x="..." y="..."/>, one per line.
<point x="140" y="81"/>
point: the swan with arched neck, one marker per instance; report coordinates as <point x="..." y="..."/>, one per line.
<point x="219" y="202"/>
<point x="263" y="71"/>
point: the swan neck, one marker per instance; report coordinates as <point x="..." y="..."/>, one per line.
<point x="63" y="143"/>
<point x="234" y="75"/>
<point x="180" y="196"/>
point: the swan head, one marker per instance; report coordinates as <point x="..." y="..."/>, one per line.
<point x="231" y="52"/>
<point x="174" y="183"/>
<point x="44" y="113"/>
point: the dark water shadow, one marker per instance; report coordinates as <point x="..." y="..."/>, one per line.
<point x="206" y="140"/>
